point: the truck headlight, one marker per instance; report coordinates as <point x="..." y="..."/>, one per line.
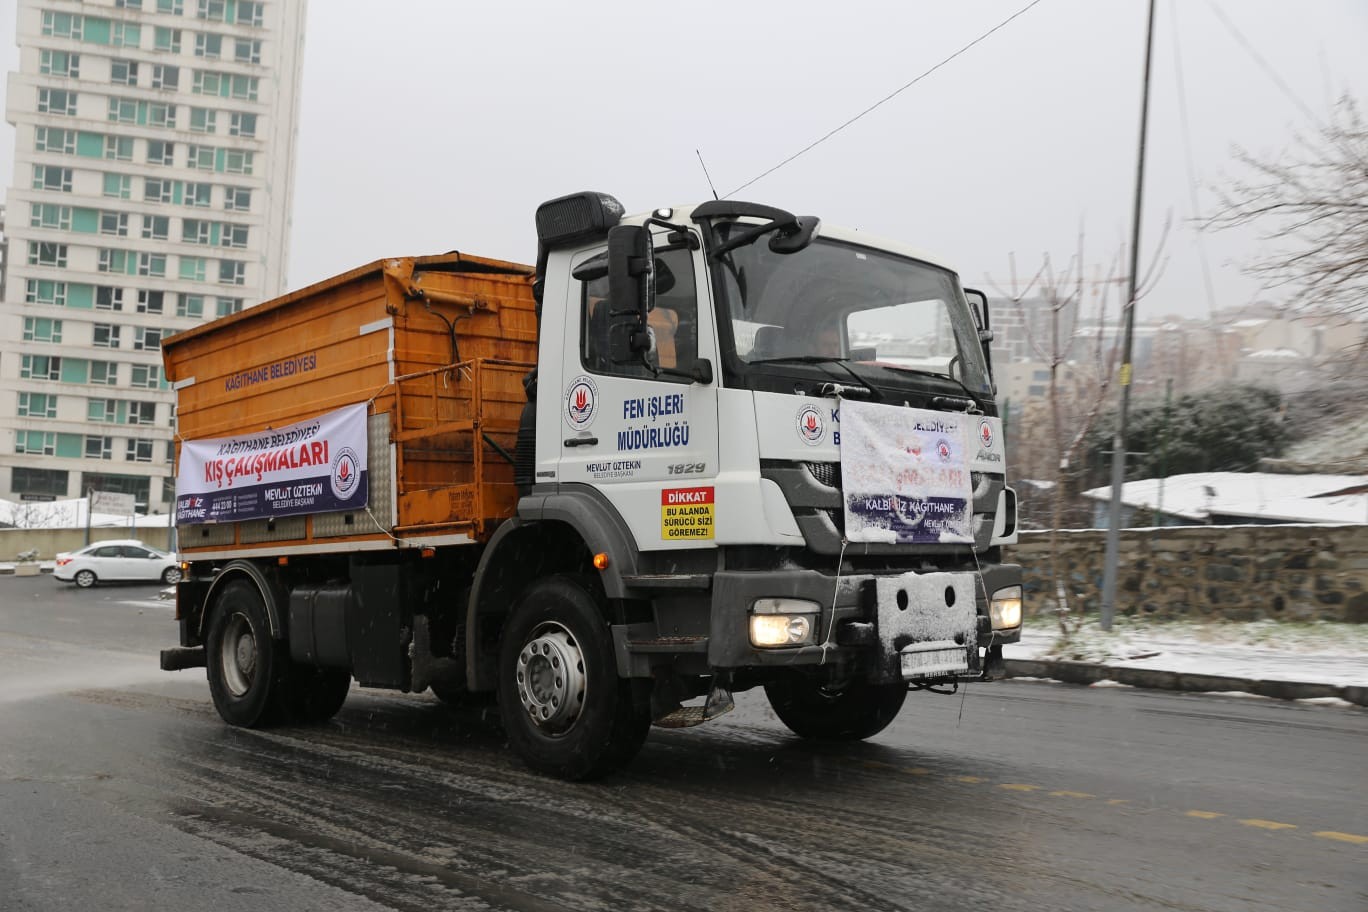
<point x="1006" y="608"/>
<point x="779" y="622"/>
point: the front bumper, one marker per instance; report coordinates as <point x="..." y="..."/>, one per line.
<point x="866" y="620"/>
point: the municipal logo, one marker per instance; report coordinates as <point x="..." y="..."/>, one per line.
<point x="580" y="399"/>
<point x="811" y="428"/>
<point x="986" y="434"/>
<point x="346" y="476"/>
<point x="943" y="449"/>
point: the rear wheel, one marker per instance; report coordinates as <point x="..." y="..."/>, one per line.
<point x="171" y="576"/>
<point x="851" y="712"/>
<point x="564" y="708"/>
<point x="247" y="669"/>
<point x="85" y="578"/>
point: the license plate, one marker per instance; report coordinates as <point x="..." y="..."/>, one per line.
<point x="928" y="660"/>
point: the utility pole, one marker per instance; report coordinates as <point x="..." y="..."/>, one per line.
<point x="1118" y="475"/>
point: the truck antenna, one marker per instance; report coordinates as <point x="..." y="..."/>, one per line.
<point x="705" y="173"/>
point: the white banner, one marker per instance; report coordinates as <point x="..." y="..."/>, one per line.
<point x="905" y="474"/>
<point x="310" y="467"/>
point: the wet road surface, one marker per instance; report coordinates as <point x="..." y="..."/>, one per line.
<point x="120" y="788"/>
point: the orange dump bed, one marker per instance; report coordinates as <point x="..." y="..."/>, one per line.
<point x="436" y="347"/>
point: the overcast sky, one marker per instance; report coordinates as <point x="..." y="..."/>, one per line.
<point x="439" y="125"/>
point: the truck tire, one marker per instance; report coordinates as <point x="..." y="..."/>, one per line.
<point x="314" y="695"/>
<point x="856" y="711"/>
<point x="247" y="669"/>
<point x="564" y="709"/>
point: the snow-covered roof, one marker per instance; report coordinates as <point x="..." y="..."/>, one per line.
<point x="1255" y="495"/>
<point x="1278" y="353"/>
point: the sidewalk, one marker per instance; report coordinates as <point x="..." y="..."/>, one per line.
<point x="1284" y="660"/>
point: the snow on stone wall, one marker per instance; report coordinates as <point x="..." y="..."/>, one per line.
<point x="1286" y="572"/>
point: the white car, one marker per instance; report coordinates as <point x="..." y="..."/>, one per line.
<point x="116" y="561"/>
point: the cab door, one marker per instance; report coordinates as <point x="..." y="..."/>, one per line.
<point x="646" y="440"/>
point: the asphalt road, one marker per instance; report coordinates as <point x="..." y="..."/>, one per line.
<point x="120" y="788"/>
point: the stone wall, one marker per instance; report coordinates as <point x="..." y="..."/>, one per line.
<point x="1224" y="572"/>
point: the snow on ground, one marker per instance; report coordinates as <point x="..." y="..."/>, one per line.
<point x="1321" y="652"/>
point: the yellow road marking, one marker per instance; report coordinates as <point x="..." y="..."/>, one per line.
<point x="1016" y="787"/>
<point x="1268" y="824"/>
<point x="1118" y="801"/>
<point x="917" y="770"/>
<point x="1064" y="793"/>
<point x="1342" y="837"/>
<point x="970" y="778"/>
<point x="1204" y="815"/>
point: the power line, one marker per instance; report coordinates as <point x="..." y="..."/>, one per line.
<point x="887" y="98"/>
<point x="1191" y="168"/>
<point x="1267" y="67"/>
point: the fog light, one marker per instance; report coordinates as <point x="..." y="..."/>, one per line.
<point x="1006" y="608"/>
<point x="783" y="622"/>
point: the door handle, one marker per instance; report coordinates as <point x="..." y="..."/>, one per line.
<point x="581" y="441"/>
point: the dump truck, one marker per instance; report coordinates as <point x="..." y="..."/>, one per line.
<point x="689" y="453"/>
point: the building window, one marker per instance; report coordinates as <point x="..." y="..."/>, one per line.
<point x="146" y="338"/>
<point x="99" y="447"/>
<point x="46" y="482"/>
<point x="118" y="148"/>
<point x="247" y="50"/>
<point x="115" y="223"/>
<point x="161" y="115"/>
<point x="213" y="10"/>
<point x="208" y="82"/>
<point x="45" y="291"/>
<point x="167" y="39"/>
<point x="250" y="12"/>
<point x="234" y="236"/>
<point x="37" y="405"/>
<point x="108" y="298"/>
<point x="208" y="45"/>
<point x="104" y="411"/>
<point x="57" y="101"/>
<point x="123" y="72"/>
<point x="243" y="125"/>
<point x="47" y="177"/>
<point x="237" y="199"/>
<point x="198" y="195"/>
<point x="142" y="413"/>
<point x="35" y="443"/>
<point x="146" y="376"/>
<point x="232" y="272"/>
<point x="150" y="302"/>
<point x="48" y="215"/>
<point x="138" y="451"/>
<point x="160" y="152"/>
<point x="152" y="264"/>
<point x="61" y="25"/>
<point x="194" y="269"/>
<point x="123" y="110"/>
<point x="51" y="139"/>
<point x="44" y="254"/>
<point x="174" y="7"/>
<point x="118" y="186"/>
<point x="40" y="367"/>
<point x="203" y="120"/>
<point x="201" y="157"/>
<point x="157" y="190"/>
<point x="60" y="63"/>
<point x="128" y="4"/>
<point x="125" y="34"/>
<point x="195" y="231"/>
<point x="156" y="227"/>
<point x="226" y="306"/>
<point x="110" y="260"/>
<point x="104" y="373"/>
<point x="244" y="87"/>
<point x="190" y="305"/>
<point x="238" y="162"/>
<point x="106" y="335"/>
<point x="165" y="77"/>
<point x="42" y="329"/>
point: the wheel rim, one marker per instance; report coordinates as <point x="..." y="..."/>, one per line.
<point x="238" y="655"/>
<point x="551" y="680"/>
<point x="172" y="575"/>
<point x="85" y="578"/>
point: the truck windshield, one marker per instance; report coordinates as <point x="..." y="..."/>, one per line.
<point x="835" y="301"/>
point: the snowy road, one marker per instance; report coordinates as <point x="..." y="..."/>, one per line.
<point x="121" y="789"/>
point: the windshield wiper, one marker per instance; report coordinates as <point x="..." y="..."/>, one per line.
<point x="802" y="359"/>
<point x="840" y="361"/>
<point x="907" y="369"/>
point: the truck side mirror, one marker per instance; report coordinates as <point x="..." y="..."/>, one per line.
<point x="631" y="288"/>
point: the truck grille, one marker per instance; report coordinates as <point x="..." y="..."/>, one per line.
<point x="826" y="473"/>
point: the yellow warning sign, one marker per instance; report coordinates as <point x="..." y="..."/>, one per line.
<point x="686" y="513"/>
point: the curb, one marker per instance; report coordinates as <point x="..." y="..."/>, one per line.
<point x="1154" y="679"/>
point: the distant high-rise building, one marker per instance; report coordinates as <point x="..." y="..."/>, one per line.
<point x="154" y="168"/>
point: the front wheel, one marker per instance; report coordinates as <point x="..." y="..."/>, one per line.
<point x="851" y="712"/>
<point x="564" y="708"/>
<point x="247" y="669"/>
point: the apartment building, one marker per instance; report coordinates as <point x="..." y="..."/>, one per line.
<point x="154" y="168"/>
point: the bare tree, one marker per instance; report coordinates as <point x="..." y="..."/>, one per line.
<point x="1312" y="201"/>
